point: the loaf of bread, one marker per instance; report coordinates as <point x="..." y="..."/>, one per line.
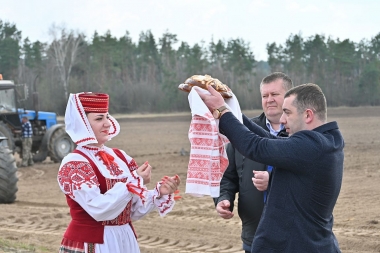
<point x="203" y="82"/>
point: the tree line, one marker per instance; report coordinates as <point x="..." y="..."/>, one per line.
<point x="144" y="76"/>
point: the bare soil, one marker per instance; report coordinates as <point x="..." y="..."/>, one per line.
<point x="38" y="218"/>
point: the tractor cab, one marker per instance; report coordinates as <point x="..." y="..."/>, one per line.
<point x="7" y="97"/>
<point x="10" y="124"/>
<point x="49" y="137"/>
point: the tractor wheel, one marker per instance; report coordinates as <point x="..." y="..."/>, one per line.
<point x="5" y="131"/>
<point x="60" y="145"/>
<point x="8" y="178"/>
<point x="39" y="157"/>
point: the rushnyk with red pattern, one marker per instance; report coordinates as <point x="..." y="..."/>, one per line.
<point x="208" y="157"/>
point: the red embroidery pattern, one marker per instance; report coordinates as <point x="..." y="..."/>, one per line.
<point x="165" y="205"/>
<point x="85" y="139"/>
<point x="114" y="127"/>
<point x="208" y="159"/>
<point x="125" y="216"/>
<point x="79" y="110"/>
<point x="111" y="182"/>
<point x="203" y="127"/>
<point x="132" y="165"/>
<point x="71" y="178"/>
<point x="94" y="102"/>
<point x="68" y="245"/>
<point x="73" y="174"/>
<point x="108" y="161"/>
<point x="90" y="148"/>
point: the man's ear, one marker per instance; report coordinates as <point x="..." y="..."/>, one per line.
<point x="309" y="116"/>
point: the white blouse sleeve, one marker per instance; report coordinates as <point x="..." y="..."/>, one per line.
<point x="77" y="179"/>
<point x="151" y="202"/>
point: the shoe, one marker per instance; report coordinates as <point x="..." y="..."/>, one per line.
<point x="22" y="165"/>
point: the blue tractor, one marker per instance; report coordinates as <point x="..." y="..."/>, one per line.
<point x="49" y="137"/>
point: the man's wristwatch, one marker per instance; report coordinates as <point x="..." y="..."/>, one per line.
<point x="218" y="112"/>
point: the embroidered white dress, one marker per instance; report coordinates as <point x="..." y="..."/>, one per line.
<point x="83" y="187"/>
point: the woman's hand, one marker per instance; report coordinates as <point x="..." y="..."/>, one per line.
<point x="169" y="185"/>
<point x="145" y="171"/>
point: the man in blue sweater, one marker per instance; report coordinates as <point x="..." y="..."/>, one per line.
<point x="307" y="175"/>
<point x="237" y="177"/>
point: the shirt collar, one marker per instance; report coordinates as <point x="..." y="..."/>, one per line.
<point x="271" y="130"/>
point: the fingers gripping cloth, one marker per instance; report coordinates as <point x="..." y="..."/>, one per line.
<point x="208" y="157"/>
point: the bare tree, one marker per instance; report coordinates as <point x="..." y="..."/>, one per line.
<point x="64" y="51"/>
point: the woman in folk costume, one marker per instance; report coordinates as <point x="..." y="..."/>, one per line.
<point x="104" y="187"/>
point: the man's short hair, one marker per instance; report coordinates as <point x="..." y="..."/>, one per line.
<point x="287" y="83"/>
<point x="309" y="96"/>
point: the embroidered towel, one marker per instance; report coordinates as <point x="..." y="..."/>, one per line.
<point x="208" y="157"/>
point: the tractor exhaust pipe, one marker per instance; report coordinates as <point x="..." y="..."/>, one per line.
<point x="35" y="98"/>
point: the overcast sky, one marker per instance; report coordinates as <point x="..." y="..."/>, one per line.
<point x="255" y="21"/>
